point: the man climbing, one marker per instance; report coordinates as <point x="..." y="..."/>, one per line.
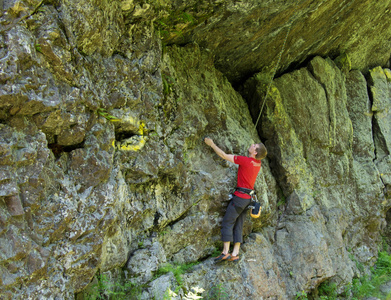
<point x="232" y="225"/>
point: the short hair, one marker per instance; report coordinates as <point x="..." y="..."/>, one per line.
<point x="261" y="151"/>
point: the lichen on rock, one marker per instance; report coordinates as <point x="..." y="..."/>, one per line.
<point x="104" y="174"/>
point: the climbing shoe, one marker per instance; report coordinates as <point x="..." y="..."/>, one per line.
<point x="222" y="257"/>
<point x="234" y="259"/>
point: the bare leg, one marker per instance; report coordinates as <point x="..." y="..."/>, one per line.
<point x="235" y="251"/>
<point x="226" y="247"/>
<point x="224" y="256"/>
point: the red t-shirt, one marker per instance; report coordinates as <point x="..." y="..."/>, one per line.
<point x="247" y="173"/>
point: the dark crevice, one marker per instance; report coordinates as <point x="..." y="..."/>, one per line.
<point x="379" y="143"/>
<point x="293" y="66"/>
<point x="156" y="219"/>
<point x="119" y="53"/>
<point x="171" y="223"/>
<point x="123" y="135"/>
<point x="58" y="149"/>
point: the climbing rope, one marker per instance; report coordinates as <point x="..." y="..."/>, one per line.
<point x="275" y="68"/>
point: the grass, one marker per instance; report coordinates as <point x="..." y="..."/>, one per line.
<point x="368" y="285"/>
<point x="365" y="286"/>
<point x="218" y="292"/>
<point x="105" y="289"/>
<point x="176" y="269"/>
<point x="102" y="112"/>
<point x="167" y="25"/>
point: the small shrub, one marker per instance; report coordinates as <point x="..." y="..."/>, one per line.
<point x="218" y="292"/>
<point x="105" y="289"/>
<point x="363" y="287"/>
<point x="177" y="270"/>
<point x="301" y="295"/>
<point x="328" y="290"/>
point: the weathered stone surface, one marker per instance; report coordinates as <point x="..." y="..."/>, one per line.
<point x="103" y="169"/>
<point x="248" y="36"/>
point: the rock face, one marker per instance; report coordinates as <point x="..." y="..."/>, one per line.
<point x="248" y="36"/>
<point x="103" y="169"/>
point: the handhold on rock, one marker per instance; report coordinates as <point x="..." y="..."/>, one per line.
<point x="14" y="205"/>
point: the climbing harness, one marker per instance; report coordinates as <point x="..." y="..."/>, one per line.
<point x="255" y="206"/>
<point x="275" y="68"/>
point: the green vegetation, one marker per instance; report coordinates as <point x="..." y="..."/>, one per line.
<point x="168" y="83"/>
<point x="281" y="201"/>
<point x="216" y="253"/>
<point x="191" y="295"/>
<point x="218" y="292"/>
<point x="281" y="198"/>
<point x="368" y="285"/>
<point x="344" y="63"/>
<point x="177" y="270"/>
<point x="301" y="295"/>
<point x="329" y="289"/>
<point x="165" y="231"/>
<point x="38" y="48"/>
<point x="172" y="25"/>
<point x="365" y="286"/>
<point x="102" y="112"/>
<point x="105" y="289"/>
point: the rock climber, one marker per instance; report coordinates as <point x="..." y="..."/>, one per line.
<point x="232" y="224"/>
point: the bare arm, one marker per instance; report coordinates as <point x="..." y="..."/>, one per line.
<point x="218" y="151"/>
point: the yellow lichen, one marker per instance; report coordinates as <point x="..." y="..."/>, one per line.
<point x="387" y="72"/>
<point x="133" y="147"/>
<point x="141" y="128"/>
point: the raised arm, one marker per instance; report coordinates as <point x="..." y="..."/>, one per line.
<point x="218" y="151"/>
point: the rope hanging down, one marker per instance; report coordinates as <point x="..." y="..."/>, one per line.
<point x="275" y="70"/>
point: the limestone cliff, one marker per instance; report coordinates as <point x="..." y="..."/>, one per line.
<point x="103" y="169"/>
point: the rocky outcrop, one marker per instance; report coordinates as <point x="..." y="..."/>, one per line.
<point x="103" y="169"/>
<point x="248" y="36"/>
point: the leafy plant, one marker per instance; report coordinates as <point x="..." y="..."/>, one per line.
<point x="102" y="112"/>
<point x="282" y="198"/>
<point x="189" y="296"/>
<point x="301" y="295"/>
<point x="176" y="269"/>
<point x="328" y="290"/>
<point x="365" y="286"/>
<point x="38" y="48"/>
<point x="216" y="252"/>
<point x="187" y="18"/>
<point x="369" y="285"/>
<point x="104" y="289"/>
<point x="165" y="231"/>
<point x="218" y="292"/>
<point x="168" y="82"/>
<point x="194" y="294"/>
<point x="171" y="26"/>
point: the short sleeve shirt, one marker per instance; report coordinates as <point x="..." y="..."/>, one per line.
<point x="247" y="173"/>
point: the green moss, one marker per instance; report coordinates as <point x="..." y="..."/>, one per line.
<point x="344" y="63"/>
<point x="38" y="48"/>
<point x="173" y="25"/>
